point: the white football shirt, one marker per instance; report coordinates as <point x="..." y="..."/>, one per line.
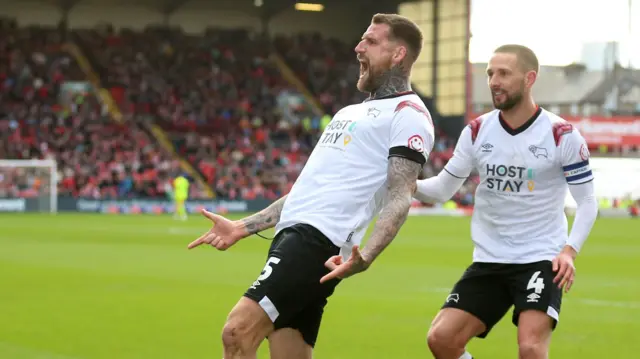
<point x="519" y="214"/>
<point x="344" y="182"/>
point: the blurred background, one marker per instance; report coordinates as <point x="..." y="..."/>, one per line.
<point x="114" y="112"/>
<point x="124" y="96"/>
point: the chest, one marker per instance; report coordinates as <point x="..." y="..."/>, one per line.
<point x="505" y="159"/>
<point x="357" y="128"/>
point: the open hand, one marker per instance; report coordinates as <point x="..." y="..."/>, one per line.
<point x="222" y="235"/>
<point x="340" y="269"/>
<point x="563" y="265"/>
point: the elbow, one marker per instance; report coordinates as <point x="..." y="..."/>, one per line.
<point x="588" y="206"/>
<point x="421" y="197"/>
<point x="426" y="194"/>
<point x="400" y="200"/>
<point x="429" y="199"/>
<point x="594" y="208"/>
<point x="443" y="197"/>
<point x="405" y="201"/>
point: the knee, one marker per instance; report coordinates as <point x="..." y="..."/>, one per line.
<point x="246" y="327"/>
<point x="237" y="336"/>
<point x="440" y="339"/>
<point x="532" y="350"/>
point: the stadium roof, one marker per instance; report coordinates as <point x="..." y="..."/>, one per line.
<point x="268" y="7"/>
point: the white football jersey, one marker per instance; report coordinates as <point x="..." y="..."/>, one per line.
<point x="524" y="173"/>
<point x="344" y="182"/>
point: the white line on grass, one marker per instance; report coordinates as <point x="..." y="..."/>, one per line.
<point x="14" y="350"/>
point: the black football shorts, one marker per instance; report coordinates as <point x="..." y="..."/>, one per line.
<point x="289" y="288"/>
<point x="488" y="290"/>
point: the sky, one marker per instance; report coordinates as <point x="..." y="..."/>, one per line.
<point x="555" y="29"/>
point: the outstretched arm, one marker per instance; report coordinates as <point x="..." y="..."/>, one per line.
<point x="226" y="233"/>
<point x="402" y="174"/>
<point x="439" y="188"/>
<point x="265" y="219"/>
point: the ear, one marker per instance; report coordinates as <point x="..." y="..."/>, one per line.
<point x="530" y="78"/>
<point x="399" y="54"/>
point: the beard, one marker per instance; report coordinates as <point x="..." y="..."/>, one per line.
<point x="371" y="77"/>
<point x="511" y="101"/>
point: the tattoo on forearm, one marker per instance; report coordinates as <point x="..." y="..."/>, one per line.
<point x="402" y="175"/>
<point x="264" y="219"/>
<point x="392" y="81"/>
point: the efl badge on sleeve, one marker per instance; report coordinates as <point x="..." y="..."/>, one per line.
<point x="584" y="152"/>
<point x="416" y="143"/>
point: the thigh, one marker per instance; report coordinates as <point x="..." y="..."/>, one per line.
<point x="455" y="326"/>
<point x="482" y="293"/>
<point x="288" y="343"/>
<point x="308" y="321"/>
<point x="248" y="320"/>
<point x="534" y="328"/>
<point x="288" y="288"/>
<point x="532" y="288"/>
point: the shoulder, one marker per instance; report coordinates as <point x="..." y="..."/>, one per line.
<point x="476" y="124"/>
<point x="410" y="105"/>
<point x="347" y="109"/>
<point x="560" y="127"/>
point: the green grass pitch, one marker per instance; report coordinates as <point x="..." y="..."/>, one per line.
<point x="89" y="286"/>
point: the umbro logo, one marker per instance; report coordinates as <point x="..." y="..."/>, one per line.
<point x="487" y="147"/>
<point x="373" y="112"/>
<point x="255" y="284"/>
<point x="533" y="298"/>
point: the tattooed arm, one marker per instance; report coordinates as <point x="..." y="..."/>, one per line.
<point x="265" y="219"/>
<point x="402" y="174"/>
<point x="226" y="233"/>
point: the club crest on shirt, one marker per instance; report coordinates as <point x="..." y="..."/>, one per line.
<point x="374" y="112"/>
<point x="538" y="152"/>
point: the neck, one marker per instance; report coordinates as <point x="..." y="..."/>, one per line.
<point x="392" y="81"/>
<point x="521" y="113"/>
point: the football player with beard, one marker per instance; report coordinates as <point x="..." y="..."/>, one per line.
<point x="527" y="159"/>
<point x="365" y="164"/>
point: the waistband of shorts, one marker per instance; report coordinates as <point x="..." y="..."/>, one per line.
<point x="311" y="232"/>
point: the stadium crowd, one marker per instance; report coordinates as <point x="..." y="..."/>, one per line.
<point x="47" y="111"/>
<point x="226" y="107"/>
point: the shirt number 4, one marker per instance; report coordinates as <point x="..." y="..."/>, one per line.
<point x="536" y="283"/>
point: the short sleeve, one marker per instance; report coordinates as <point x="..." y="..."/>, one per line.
<point x="575" y="158"/>
<point x="412" y="133"/>
<point x="461" y="163"/>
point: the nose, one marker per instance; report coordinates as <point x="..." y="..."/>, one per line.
<point x="494" y="84"/>
<point x="360" y="48"/>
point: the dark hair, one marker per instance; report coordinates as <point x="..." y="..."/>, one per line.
<point x="527" y="59"/>
<point x="403" y="29"/>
